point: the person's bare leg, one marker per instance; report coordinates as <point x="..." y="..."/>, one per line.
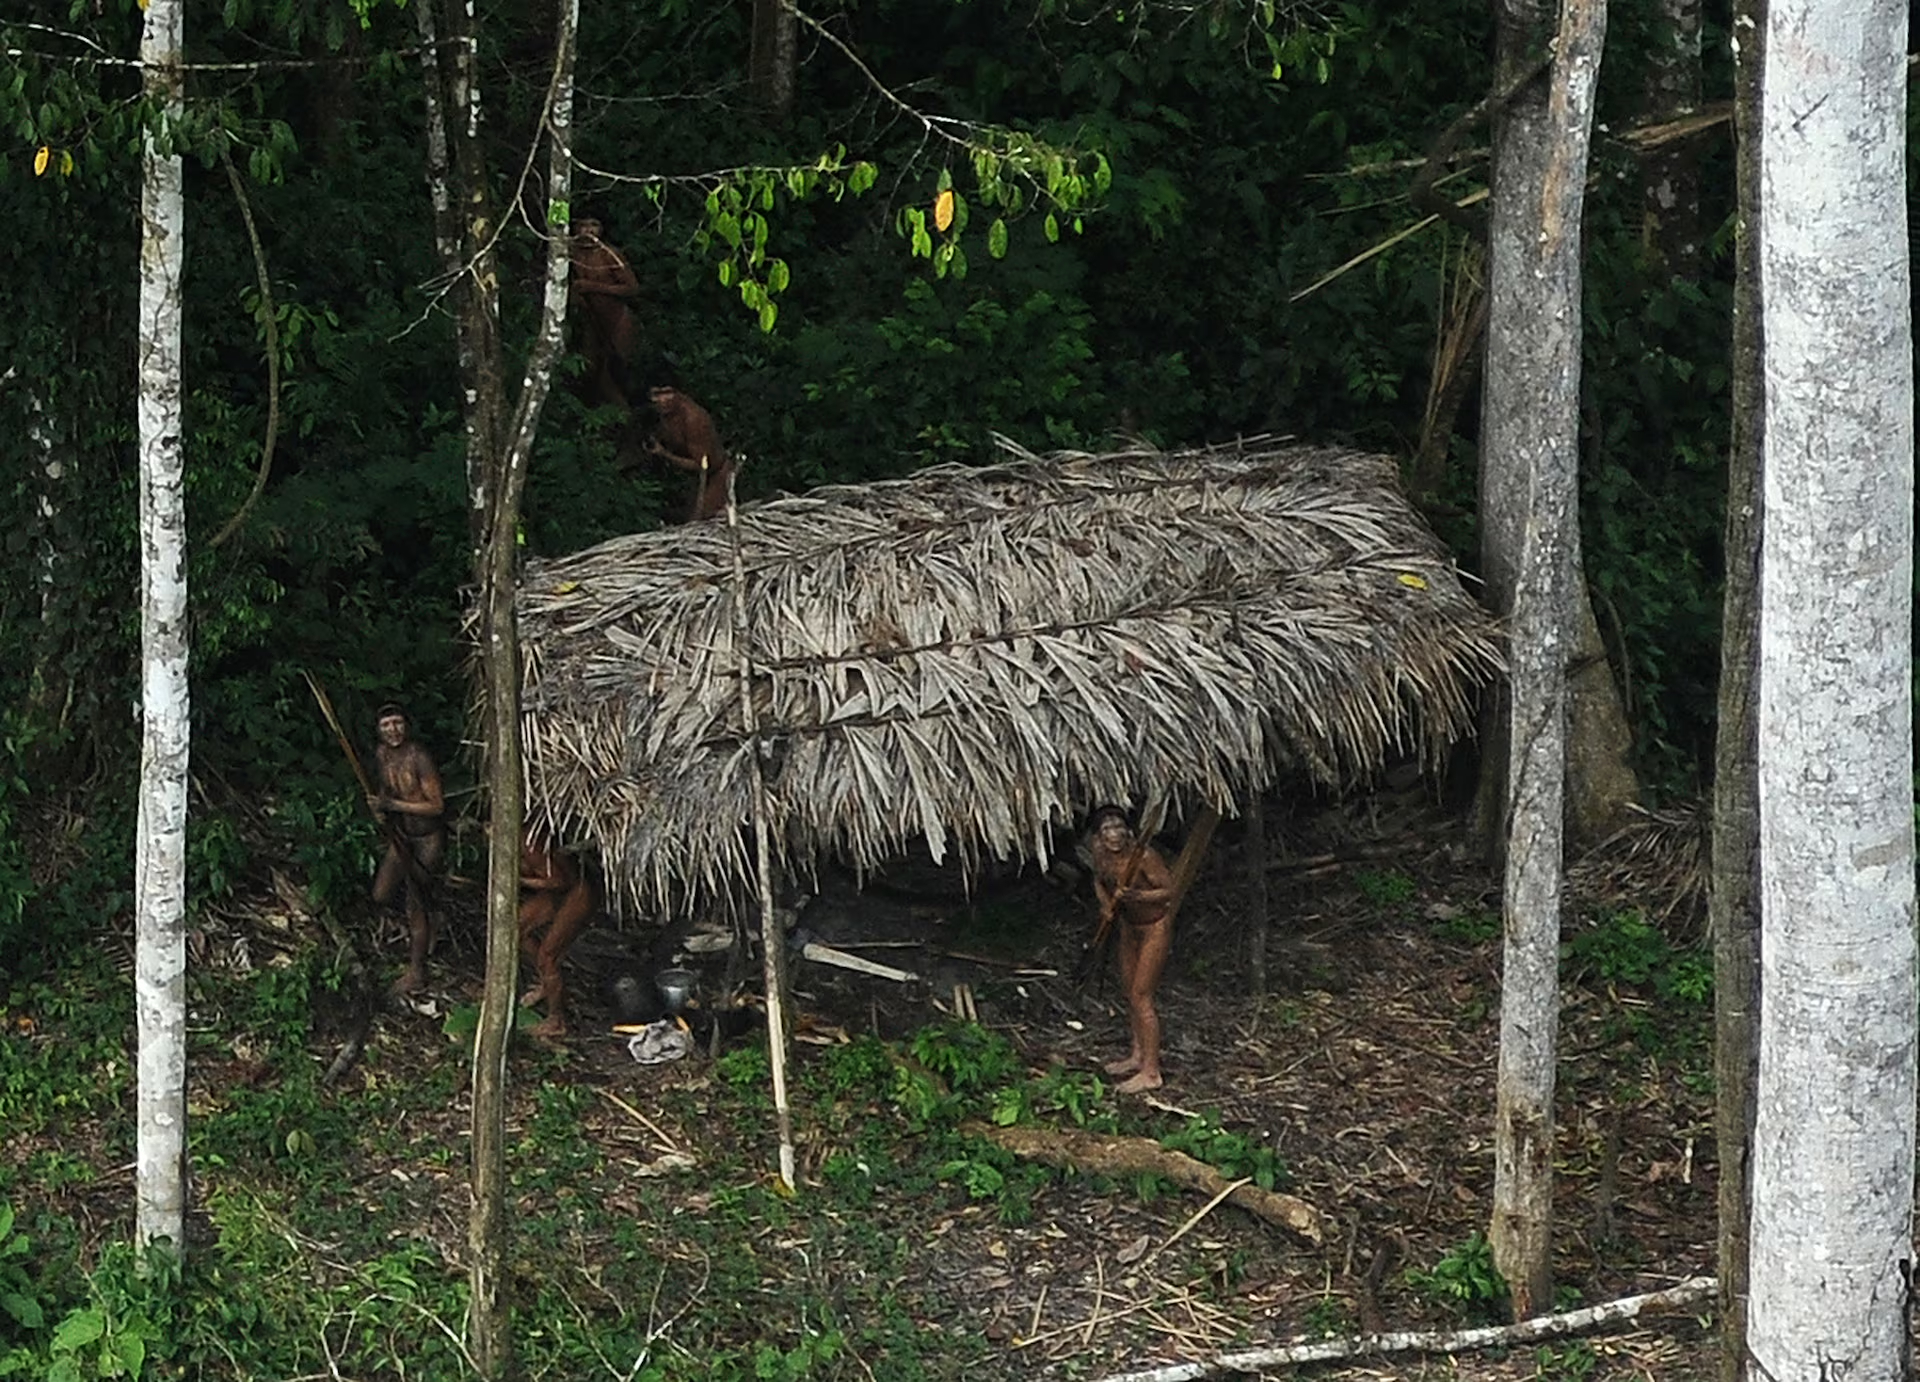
<point x="419" y="943"/>
<point x="426" y="851"/>
<point x="1155" y="943"/>
<point x="572" y="914"/>
<point x="1129" y="966"/>
<point x="535" y="914"/>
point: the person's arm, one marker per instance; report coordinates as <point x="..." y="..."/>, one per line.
<point x="1156" y="883"/>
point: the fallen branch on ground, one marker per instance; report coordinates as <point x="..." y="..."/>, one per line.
<point x="1131" y="1156"/>
<point x="1688" y="1292"/>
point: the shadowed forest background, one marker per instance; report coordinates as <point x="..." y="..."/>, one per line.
<point x="1171" y="314"/>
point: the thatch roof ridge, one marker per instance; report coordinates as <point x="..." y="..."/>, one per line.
<point x="977" y="654"/>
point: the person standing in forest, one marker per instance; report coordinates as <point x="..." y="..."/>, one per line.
<point x="409" y="798"/>
<point x="1135" y="890"/>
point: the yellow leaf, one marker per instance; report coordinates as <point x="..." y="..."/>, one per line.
<point x="1411" y="581"/>
<point x="943" y="210"/>
<point x="566" y="587"/>
<point x="40" y="161"/>
<point x="66" y="163"/>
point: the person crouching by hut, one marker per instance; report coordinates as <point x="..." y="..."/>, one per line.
<point x="1135" y="889"/>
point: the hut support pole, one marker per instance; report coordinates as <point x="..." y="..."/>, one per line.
<point x="1259" y="919"/>
<point x="773" y="941"/>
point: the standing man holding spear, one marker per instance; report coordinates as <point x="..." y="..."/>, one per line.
<point x="409" y="800"/>
<point x="409" y="804"/>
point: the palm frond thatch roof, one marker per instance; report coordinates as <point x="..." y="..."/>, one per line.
<point x="979" y="655"/>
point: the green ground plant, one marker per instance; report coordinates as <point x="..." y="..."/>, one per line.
<point x="1464" y="1280"/>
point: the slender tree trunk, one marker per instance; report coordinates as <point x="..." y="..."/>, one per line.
<point x="500" y="658"/>
<point x="1533" y="409"/>
<point x="1600" y="780"/>
<point x="1833" y="1152"/>
<point x="775" y="60"/>
<point x="160" y="866"/>
<point x="465" y="230"/>
<point x="1734" y="895"/>
<point x="1258" y="918"/>
<point x="1670" y="174"/>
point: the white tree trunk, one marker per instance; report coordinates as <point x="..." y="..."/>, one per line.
<point x="1834" y="1131"/>
<point x="1534" y="368"/>
<point x="160" y="867"/>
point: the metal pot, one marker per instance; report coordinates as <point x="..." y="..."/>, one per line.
<point x="676" y="987"/>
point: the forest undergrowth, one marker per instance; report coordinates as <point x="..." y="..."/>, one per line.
<point x="651" y="1239"/>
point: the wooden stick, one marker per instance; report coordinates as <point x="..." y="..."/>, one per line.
<point x="1195" y="1218"/>
<point x="829" y="955"/>
<point x="1191" y="854"/>
<point x="667" y="1144"/>
<point x="773" y="942"/>
<point x="1688" y="1292"/>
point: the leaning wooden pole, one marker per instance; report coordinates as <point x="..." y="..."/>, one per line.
<point x="773" y="941"/>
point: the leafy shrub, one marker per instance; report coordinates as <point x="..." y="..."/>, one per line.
<point x="1464" y="1280"/>
<point x="1234" y="1155"/>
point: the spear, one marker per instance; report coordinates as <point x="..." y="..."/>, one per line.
<point x="1184" y="868"/>
<point x="387" y="827"/>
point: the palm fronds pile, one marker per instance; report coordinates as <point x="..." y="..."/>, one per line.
<point x="978" y="655"/>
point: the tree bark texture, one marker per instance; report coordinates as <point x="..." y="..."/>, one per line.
<point x="160" y="863"/>
<point x="1601" y="782"/>
<point x="1833" y="1151"/>
<point x="1670" y="173"/>
<point x="465" y="231"/>
<point x="774" y="61"/>
<point x="1534" y="336"/>
<point x="1734" y="884"/>
<point x="492" y="1334"/>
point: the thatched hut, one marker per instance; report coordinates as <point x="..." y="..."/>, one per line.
<point x="978" y="656"/>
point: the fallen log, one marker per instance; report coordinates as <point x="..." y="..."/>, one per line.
<point x="1688" y="1292"/>
<point x="1112" y="1155"/>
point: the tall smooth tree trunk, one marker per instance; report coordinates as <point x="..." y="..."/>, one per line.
<point x="1531" y="435"/>
<point x="1833" y="1152"/>
<point x="160" y="849"/>
<point x="1670" y="174"/>
<point x="774" y="62"/>
<point x="1734" y="885"/>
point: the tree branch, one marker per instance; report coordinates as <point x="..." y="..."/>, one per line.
<point x="1687" y="1293"/>
<point x="1441" y="153"/>
<point x="269" y="318"/>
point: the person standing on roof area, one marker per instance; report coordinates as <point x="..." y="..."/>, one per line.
<point x="1135" y="888"/>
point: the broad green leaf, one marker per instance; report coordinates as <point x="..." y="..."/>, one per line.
<point x="997" y="238"/>
<point x="778" y="276"/>
<point x="78" y="1330"/>
<point x="25" y="1309"/>
<point x="1053" y="229"/>
<point x="769" y="313"/>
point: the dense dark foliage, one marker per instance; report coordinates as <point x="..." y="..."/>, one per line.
<point x="1176" y="308"/>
